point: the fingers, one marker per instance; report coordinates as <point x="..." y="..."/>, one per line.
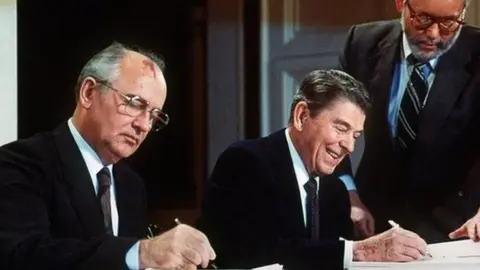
<point x="472" y="231"/>
<point x="189" y="266"/>
<point x="198" y="249"/>
<point x="477" y="238"/>
<point x="460" y="232"/>
<point x="199" y="242"/>
<point x="414" y="241"/>
<point x="362" y="228"/>
<point x="407" y="254"/>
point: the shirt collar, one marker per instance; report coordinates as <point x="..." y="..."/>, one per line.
<point x="298" y="166"/>
<point x="91" y="158"/>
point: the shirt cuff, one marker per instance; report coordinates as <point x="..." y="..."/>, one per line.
<point x="131" y="259"/>
<point x="348" y="181"/>
<point x="348" y="257"/>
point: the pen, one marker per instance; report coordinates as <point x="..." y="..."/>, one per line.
<point x="395" y="225"/>
<point x="212" y="264"/>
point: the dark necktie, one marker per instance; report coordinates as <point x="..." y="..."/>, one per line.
<point x="412" y="104"/>
<point x="104" y="182"/>
<point x="312" y="209"/>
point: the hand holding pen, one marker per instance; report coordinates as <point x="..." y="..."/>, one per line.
<point x="413" y="236"/>
<point x="394" y="245"/>
<point x="182" y="247"/>
<point x="212" y="264"/>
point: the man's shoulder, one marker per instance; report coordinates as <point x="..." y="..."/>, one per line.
<point x="470" y="37"/>
<point x="260" y="147"/>
<point x="37" y="148"/>
<point x="375" y="30"/>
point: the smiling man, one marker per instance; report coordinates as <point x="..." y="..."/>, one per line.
<point x="67" y="201"/>
<point x="421" y="138"/>
<point x="272" y="200"/>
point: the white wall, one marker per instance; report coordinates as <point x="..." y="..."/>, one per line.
<point x="8" y="71"/>
<point x="473" y="13"/>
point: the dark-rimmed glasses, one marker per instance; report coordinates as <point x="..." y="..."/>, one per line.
<point x="446" y="24"/>
<point x="136" y="106"/>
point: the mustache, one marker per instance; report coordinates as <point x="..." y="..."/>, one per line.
<point x="431" y="41"/>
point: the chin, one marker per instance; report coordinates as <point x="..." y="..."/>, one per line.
<point x="123" y="152"/>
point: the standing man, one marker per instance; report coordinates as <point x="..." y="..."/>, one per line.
<point x="67" y="201"/>
<point x="271" y="200"/>
<point x="421" y="139"/>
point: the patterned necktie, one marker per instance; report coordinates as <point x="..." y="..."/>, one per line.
<point x="312" y="208"/>
<point x="412" y="103"/>
<point x="104" y="183"/>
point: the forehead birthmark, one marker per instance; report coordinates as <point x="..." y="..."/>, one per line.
<point x="148" y="69"/>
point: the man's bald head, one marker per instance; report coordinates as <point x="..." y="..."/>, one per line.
<point x="106" y="64"/>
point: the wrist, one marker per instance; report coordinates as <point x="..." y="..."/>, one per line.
<point x="143" y="257"/>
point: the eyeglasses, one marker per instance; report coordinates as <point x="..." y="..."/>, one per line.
<point x="446" y="24"/>
<point x="136" y="106"/>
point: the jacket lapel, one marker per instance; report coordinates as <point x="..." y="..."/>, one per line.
<point x="384" y="62"/>
<point x="127" y="203"/>
<point x="291" y="203"/>
<point x="78" y="181"/>
<point x="451" y="78"/>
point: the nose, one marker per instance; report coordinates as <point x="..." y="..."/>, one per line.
<point x="142" y="122"/>
<point x="348" y="144"/>
<point x="433" y="32"/>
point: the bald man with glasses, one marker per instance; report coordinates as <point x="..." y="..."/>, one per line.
<point x="421" y="138"/>
<point x="67" y="201"/>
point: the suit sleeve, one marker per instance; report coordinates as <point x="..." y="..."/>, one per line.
<point x="233" y="218"/>
<point x="26" y="241"/>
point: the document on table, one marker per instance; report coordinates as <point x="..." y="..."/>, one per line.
<point x="463" y="254"/>
<point x="270" y="267"/>
<point x="266" y="267"/>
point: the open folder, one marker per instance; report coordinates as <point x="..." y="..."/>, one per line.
<point x="463" y="254"/>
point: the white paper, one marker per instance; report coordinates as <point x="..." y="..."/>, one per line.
<point x="463" y="254"/>
<point x="461" y="248"/>
<point x="270" y="267"/>
<point x="266" y="267"/>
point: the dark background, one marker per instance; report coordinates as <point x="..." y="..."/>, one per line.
<point x="56" y="38"/>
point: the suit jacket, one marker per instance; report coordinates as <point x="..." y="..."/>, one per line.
<point x="50" y="217"/>
<point x="447" y="142"/>
<point x="252" y="210"/>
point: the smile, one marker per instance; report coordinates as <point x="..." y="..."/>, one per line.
<point x="333" y="154"/>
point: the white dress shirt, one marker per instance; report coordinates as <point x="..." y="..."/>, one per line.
<point x="302" y="178"/>
<point x="94" y="165"/>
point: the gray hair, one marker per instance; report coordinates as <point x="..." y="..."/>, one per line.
<point x="105" y="65"/>
<point x="320" y="88"/>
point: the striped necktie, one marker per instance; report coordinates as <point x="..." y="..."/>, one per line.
<point x="412" y="103"/>
<point x="104" y="183"/>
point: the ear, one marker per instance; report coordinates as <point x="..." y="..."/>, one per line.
<point x="86" y="91"/>
<point x="300" y="115"/>
<point x="400" y="5"/>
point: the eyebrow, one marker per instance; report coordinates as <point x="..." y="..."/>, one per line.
<point x="339" y="121"/>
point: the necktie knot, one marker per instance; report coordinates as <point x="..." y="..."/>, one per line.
<point x="312" y="208"/>
<point x="424" y="67"/>
<point x="104" y="180"/>
<point x="311" y="186"/>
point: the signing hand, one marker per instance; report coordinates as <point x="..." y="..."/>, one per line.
<point x="183" y="247"/>
<point x="394" y="245"/>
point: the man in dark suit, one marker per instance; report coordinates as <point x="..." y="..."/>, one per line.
<point x="271" y="200"/>
<point x="421" y="138"/>
<point x="67" y="201"/>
